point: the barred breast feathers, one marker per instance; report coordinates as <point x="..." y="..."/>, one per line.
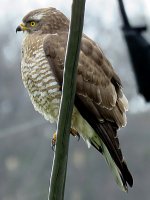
<point x="39" y="79"/>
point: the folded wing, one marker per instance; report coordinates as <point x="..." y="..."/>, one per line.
<point x="99" y="97"/>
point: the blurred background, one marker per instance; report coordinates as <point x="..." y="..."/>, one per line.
<point x="25" y="137"/>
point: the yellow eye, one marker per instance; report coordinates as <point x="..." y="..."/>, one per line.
<point x="32" y="23"/>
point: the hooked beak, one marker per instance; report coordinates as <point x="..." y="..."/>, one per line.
<point x="21" y="27"/>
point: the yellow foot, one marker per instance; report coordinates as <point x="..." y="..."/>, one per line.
<point x="53" y="141"/>
<point x="72" y="132"/>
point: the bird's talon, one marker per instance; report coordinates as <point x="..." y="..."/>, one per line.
<point x="78" y="137"/>
<point x="75" y="133"/>
<point x="53" y="148"/>
<point x="53" y="145"/>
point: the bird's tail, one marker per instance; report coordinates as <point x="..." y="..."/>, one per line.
<point x="122" y="176"/>
<point x="106" y="141"/>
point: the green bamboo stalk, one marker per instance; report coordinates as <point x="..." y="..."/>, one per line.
<point x="59" y="169"/>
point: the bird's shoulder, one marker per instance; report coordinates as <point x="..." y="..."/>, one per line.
<point x="90" y="55"/>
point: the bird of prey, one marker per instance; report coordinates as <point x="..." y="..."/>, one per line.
<point x="100" y="105"/>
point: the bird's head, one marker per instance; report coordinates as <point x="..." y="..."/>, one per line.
<point x="45" y="20"/>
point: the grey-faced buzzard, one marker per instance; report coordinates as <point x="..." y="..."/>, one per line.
<point x="100" y="105"/>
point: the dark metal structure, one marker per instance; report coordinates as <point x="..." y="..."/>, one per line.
<point x="139" y="50"/>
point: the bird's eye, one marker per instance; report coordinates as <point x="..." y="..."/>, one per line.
<point x="32" y="23"/>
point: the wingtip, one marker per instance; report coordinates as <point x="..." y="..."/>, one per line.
<point x="128" y="176"/>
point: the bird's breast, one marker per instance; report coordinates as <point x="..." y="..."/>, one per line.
<point x="40" y="81"/>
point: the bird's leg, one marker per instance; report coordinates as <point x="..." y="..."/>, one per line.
<point x="72" y="132"/>
<point x="53" y="141"/>
<point x="75" y="133"/>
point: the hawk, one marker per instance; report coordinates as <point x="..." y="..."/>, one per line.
<point x="100" y="105"/>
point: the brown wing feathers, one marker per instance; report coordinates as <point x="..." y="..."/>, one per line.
<point x="99" y="95"/>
